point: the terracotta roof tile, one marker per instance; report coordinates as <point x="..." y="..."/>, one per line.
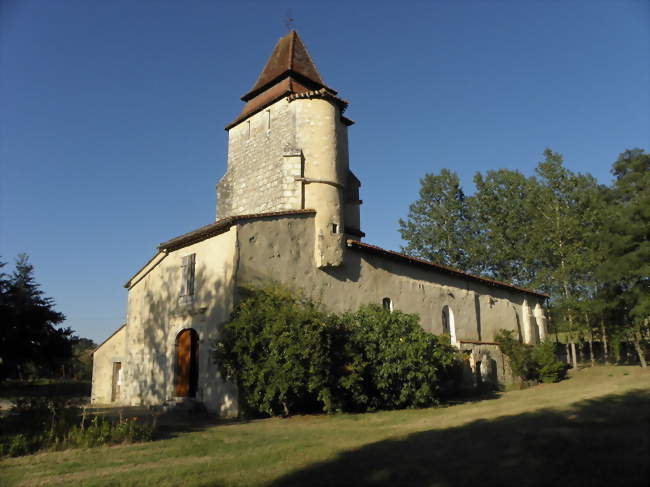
<point x="288" y="72"/>
<point x="289" y="57"/>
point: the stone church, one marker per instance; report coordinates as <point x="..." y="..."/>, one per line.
<point x="287" y="211"/>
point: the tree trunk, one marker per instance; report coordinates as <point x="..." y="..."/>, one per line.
<point x="573" y="354"/>
<point x="639" y="349"/>
<point x="572" y="341"/>
<point x="591" y="340"/>
<point x="581" y="351"/>
<point x="604" y="333"/>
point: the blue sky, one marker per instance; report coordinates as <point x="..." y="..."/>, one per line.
<point x="112" y="113"/>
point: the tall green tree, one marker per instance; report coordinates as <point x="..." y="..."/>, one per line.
<point x="567" y="219"/>
<point x="438" y="227"/>
<point x="504" y="211"/>
<point x="29" y="333"/>
<point x="627" y="237"/>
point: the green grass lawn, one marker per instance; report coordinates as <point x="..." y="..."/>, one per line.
<point x="589" y="430"/>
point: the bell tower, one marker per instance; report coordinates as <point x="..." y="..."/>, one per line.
<point x="288" y="149"/>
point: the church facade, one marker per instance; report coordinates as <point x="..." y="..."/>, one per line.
<point x="288" y="210"/>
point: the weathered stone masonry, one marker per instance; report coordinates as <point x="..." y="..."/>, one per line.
<point x="263" y="165"/>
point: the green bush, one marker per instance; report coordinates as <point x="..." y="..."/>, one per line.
<point x="537" y="363"/>
<point x="287" y="356"/>
<point x="387" y="361"/>
<point x="549" y="367"/>
<point x="519" y="354"/>
<point x="276" y="348"/>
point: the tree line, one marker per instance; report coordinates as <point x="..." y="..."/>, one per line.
<point x="33" y="342"/>
<point x="585" y="244"/>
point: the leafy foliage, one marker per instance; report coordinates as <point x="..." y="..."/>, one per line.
<point x="627" y="236"/>
<point x="549" y="367"/>
<point x="585" y="244"/>
<point x="276" y="348"/>
<point x="438" y="227"/>
<point x="519" y="354"/>
<point x="389" y="362"/>
<point x="502" y="210"/>
<point x="287" y="356"/>
<point x="531" y="363"/>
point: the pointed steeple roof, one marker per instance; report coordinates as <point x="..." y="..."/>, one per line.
<point x="289" y="59"/>
<point x="289" y="71"/>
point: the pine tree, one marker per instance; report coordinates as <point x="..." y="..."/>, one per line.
<point x="29" y="336"/>
<point x="627" y="239"/>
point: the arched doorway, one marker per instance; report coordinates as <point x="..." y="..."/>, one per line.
<point x="187" y="363"/>
<point x="448" y="325"/>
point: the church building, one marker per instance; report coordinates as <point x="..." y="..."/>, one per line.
<point x="288" y="210"/>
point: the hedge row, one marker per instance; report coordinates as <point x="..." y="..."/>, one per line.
<point x="287" y="356"/>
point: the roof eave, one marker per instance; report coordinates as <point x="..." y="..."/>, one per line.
<point x="439" y="267"/>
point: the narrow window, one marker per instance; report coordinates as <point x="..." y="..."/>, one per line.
<point x="116" y="392"/>
<point x="249" y="129"/>
<point x="187" y="275"/>
<point x="268" y="120"/>
<point x="335" y="228"/>
<point x="387" y="303"/>
<point x="448" y="323"/>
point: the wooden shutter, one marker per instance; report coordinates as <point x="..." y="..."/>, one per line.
<point x="187" y="275"/>
<point x="190" y="274"/>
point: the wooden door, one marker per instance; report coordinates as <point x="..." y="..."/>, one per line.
<point x="186" y="363"/>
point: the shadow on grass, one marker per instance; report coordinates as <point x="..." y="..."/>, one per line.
<point x="598" y="442"/>
<point x="49" y="389"/>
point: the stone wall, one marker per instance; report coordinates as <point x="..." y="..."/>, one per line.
<point x="111" y="351"/>
<point x="263" y="162"/>
<point x="486" y="366"/>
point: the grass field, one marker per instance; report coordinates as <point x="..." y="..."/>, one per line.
<point x="590" y="430"/>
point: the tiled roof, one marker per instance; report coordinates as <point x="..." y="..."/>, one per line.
<point x="430" y="265"/>
<point x="288" y="72"/>
<point x="289" y="57"/>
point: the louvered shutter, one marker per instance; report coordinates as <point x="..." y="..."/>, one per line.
<point x="190" y="274"/>
<point x="184" y="271"/>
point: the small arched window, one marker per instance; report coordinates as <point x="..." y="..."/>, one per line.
<point x="387" y="303"/>
<point x="448" y="324"/>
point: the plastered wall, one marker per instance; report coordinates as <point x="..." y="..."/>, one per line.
<point x="279" y="249"/>
<point x="112" y="350"/>
<point x="156" y="314"/>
